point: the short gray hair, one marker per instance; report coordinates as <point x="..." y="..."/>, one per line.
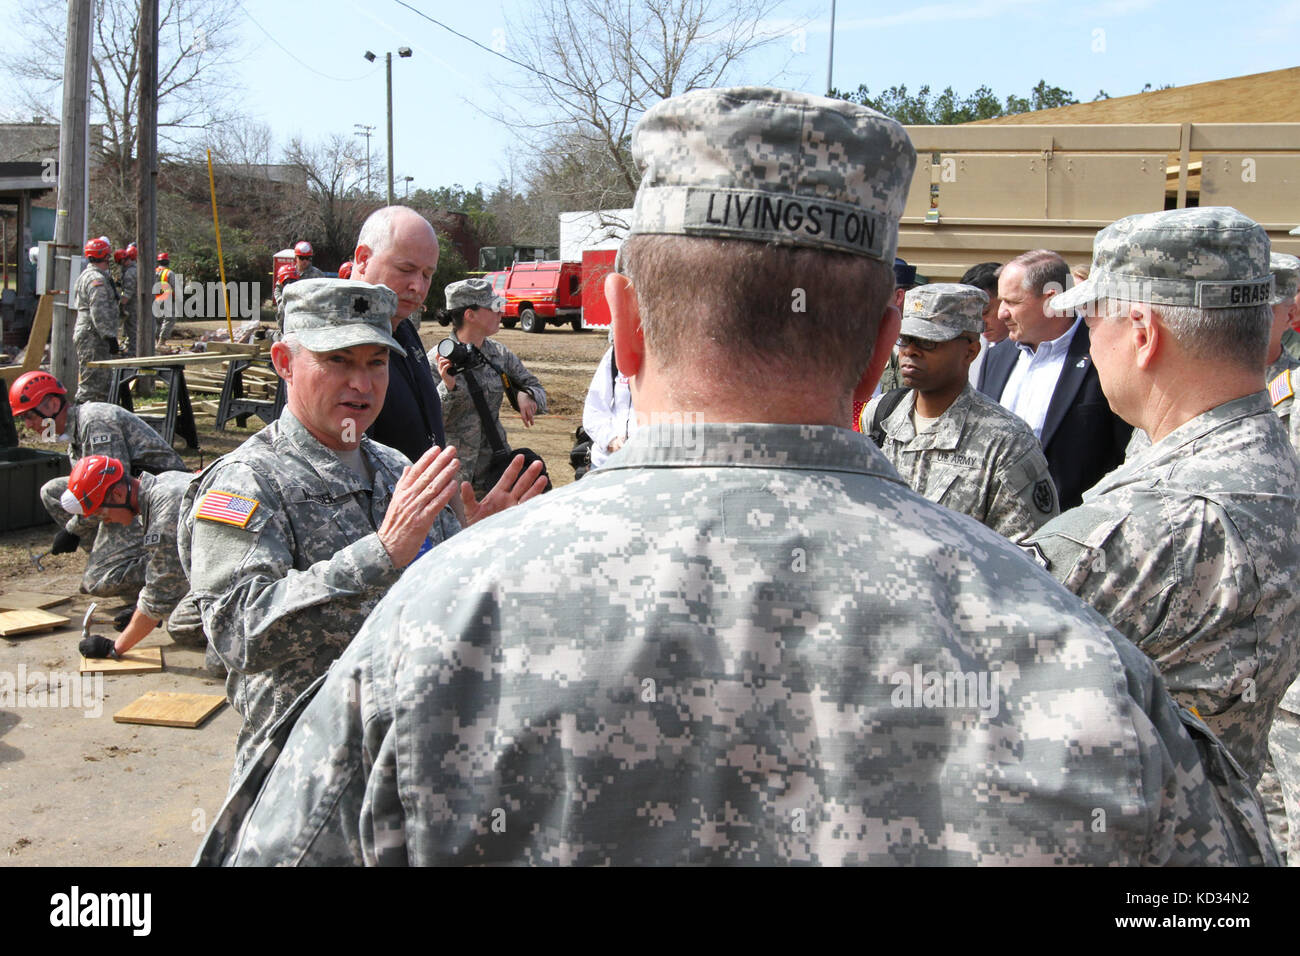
<point x="377" y="231"/>
<point x="1238" y="336"/>
<point x="292" y="340"/>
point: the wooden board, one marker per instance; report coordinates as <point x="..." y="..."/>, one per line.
<point x="148" y="660"/>
<point x="28" y="620"/>
<point x="166" y="709"/>
<point x="24" y="600"/>
<point x="163" y="361"/>
<point x="39" y="336"/>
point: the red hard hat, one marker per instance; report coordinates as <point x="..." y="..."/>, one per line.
<point x="162" y="257"/>
<point x="91" y="479"/>
<point x="30" y="388"/>
<point x="303" y="249"/>
<point x="119" y="255"/>
<point x="99" y="248"/>
<point x="132" y="252"/>
<point x="286" y="273"/>
<point x="345" y="270"/>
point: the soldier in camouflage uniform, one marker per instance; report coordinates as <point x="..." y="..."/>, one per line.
<point x="1280" y="375"/>
<point x="950" y="443"/>
<point x="95" y="334"/>
<point x="130" y="285"/>
<point x="102" y="487"/>
<point x="117" y="559"/>
<point x="292" y="538"/>
<point x="476" y="314"/>
<point x="1279" y="787"/>
<point x="1190" y="547"/>
<point x="904" y="281"/>
<point x="709" y="651"/>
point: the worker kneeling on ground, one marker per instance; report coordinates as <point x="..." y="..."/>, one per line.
<point x="292" y="538"/>
<point x="117" y="555"/>
<point x="100" y="486"/>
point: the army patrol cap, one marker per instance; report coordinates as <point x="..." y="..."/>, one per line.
<point x="473" y="294"/>
<point x="942" y="311"/>
<point x="328" y="314"/>
<point x="772" y="166"/>
<point x="1286" y="276"/>
<point x="1211" y="257"/>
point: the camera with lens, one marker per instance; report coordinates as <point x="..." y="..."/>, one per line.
<point x="462" y="356"/>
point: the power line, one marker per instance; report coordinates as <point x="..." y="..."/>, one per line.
<point x="289" y="53"/>
<point x="527" y="66"/>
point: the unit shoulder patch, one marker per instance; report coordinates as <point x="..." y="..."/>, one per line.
<point x="227" y="508"/>
<point x="1044" y="498"/>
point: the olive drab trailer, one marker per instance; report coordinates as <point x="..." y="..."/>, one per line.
<point x="985" y="193"/>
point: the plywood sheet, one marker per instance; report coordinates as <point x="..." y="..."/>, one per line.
<point x="28" y="621"/>
<point x="148" y="660"/>
<point x="24" y="600"/>
<point x="1272" y="97"/>
<point x="167" y="709"/>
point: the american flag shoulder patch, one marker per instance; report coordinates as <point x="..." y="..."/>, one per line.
<point x="227" y="508"/>
<point x="1279" y="390"/>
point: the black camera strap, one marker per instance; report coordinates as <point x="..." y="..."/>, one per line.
<point x="512" y="390"/>
<point x="480" y="405"/>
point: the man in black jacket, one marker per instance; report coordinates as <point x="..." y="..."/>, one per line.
<point x="1044" y="374"/>
<point x="398" y="248"/>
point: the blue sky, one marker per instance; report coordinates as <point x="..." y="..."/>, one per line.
<point x="315" y="81"/>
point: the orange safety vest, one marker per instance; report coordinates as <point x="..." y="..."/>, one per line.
<point x="164" y="276"/>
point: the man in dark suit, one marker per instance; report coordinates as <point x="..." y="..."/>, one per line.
<point x="1044" y="374"/>
<point x="398" y="248"/>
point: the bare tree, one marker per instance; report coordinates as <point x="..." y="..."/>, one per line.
<point x="197" y="40"/>
<point x="335" y="204"/>
<point x="602" y="63"/>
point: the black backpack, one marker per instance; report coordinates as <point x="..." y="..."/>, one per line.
<point x="888" y="402"/>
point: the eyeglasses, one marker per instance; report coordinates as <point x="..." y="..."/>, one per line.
<point x="907" y="341"/>
<point x="925" y="345"/>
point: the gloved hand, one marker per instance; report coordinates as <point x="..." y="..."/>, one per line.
<point x="113" y="347"/>
<point x="122" y="618"/>
<point x="65" y="542"/>
<point x="95" y="646"/>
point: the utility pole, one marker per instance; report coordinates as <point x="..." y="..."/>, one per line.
<point x="364" y="130"/>
<point x="388" y="62"/>
<point x="830" y="53"/>
<point x="70" y="217"/>
<point x="402" y="51"/>
<point x="146" y="210"/>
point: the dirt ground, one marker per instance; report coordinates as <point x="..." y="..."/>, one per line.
<point x="78" y="789"/>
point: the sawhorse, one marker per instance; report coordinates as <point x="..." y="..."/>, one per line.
<point x="234" y="404"/>
<point x="179" y="415"/>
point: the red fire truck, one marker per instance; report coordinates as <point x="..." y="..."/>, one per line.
<point x="545" y="293"/>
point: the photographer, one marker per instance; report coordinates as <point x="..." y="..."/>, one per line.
<point x="474" y="379"/>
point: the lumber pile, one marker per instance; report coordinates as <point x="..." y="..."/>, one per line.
<point x="259" y="382"/>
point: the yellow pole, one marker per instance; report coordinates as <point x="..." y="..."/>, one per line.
<point x="221" y="262"/>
